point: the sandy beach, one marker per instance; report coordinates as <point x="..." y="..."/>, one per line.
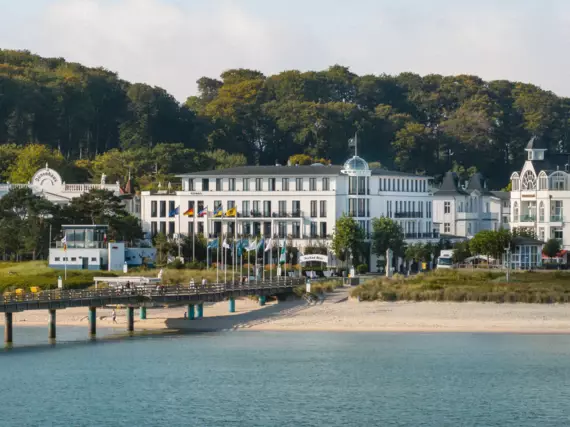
<point x="335" y="313"/>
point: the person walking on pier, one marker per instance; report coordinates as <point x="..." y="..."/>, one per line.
<point x="114" y="316"/>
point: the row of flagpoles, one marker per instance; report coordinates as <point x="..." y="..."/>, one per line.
<point x="237" y="247"/>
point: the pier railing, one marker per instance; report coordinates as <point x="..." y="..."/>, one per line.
<point x="148" y="292"/>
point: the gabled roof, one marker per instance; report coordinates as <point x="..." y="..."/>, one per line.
<point x="503" y="195"/>
<point x="477" y="183"/>
<point x="450" y="185"/>
<point x="526" y="241"/>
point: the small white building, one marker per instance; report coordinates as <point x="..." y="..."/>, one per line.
<point x="300" y="203"/>
<point x="48" y="183"/>
<point x="540" y="194"/>
<point x="463" y="211"/>
<point x="85" y="247"/>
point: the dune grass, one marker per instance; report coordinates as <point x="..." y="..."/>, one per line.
<point x="459" y="286"/>
<point x="37" y="273"/>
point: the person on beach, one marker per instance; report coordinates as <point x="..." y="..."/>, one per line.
<point x="114" y="316"/>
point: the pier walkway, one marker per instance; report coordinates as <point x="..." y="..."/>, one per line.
<point x="194" y="296"/>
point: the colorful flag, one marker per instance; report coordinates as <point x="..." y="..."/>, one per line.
<point x="64" y="241"/>
<point x="226" y="245"/>
<point x="189" y="212"/>
<point x="204" y="211"/>
<point x="213" y="244"/>
<point x="269" y="245"/>
<point x="251" y="246"/>
<point x="283" y="256"/>
<point x="174" y="212"/>
<point x="218" y="212"/>
<point x="231" y="212"/>
<point x="261" y="244"/>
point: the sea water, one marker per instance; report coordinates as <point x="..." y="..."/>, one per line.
<point x="286" y="379"/>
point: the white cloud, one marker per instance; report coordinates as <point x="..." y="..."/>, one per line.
<point x="172" y="44"/>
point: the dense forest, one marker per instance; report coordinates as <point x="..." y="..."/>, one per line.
<point x="88" y="121"/>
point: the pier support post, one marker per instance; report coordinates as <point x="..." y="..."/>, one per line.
<point x="130" y="319"/>
<point x="191" y="313"/>
<point x="51" y="325"/>
<point x="8" y="328"/>
<point x="262" y="300"/>
<point x="142" y="313"/>
<point x="232" y="305"/>
<point x="200" y="310"/>
<point x="92" y="321"/>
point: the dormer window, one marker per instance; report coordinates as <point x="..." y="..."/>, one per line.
<point x="530" y="155"/>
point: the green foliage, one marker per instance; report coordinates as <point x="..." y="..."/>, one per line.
<point x="551" y="248"/>
<point x="460" y="286"/>
<point x="30" y="159"/>
<point x="362" y="269"/>
<point x="461" y="252"/>
<point x="407" y="121"/>
<point x="490" y="243"/>
<point x="387" y="234"/>
<point x="347" y="239"/>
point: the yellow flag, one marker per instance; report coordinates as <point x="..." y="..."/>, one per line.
<point x="231" y="212"/>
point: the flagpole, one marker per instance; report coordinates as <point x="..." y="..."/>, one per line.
<point x="218" y="260"/>
<point x="263" y="266"/>
<point x="179" y="235"/>
<point x="255" y="272"/>
<point x="194" y="236"/>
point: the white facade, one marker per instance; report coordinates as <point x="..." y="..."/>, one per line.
<point x="300" y="203"/>
<point x="47" y="183"/>
<point x="540" y="195"/>
<point x="464" y="211"/>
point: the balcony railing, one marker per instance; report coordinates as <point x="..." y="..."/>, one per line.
<point x="528" y="218"/>
<point x="556" y="218"/>
<point x="421" y="235"/>
<point x="408" y="215"/>
<point x="361" y="214"/>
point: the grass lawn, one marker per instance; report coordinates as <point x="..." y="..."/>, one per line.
<point x="37" y="273"/>
<point x="461" y="285"/>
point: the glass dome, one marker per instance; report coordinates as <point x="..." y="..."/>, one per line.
<point x="356" y="164"/>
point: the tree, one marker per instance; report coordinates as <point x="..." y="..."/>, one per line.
<point x="490" y="243"/>
<point x="347" y="239"/>
<point x="551" y="248"/>
<point x="103" y="207"/>
<point x="31" y="158"/>
<point x="387" y="234"/>
<point x="461" y="252"/>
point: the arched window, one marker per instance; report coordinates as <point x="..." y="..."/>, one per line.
<point x="516" y="212"/>
<point x="528" y="181"/>
<point x="542" y="181"/>
<point x="515" y="182"/>
<point x="541" y="212"/>
<point x="558" y="181"/>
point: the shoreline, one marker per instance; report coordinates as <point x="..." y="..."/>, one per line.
<point x="335" y="314"/>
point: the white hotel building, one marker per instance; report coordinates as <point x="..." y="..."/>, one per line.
<point x="300" y="203"/>
<point x="464" y="210"/>
<point x="540" y="195"/>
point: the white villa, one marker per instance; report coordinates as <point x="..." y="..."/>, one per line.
<point x="540" y="195"/>
<point x="300" y="203"/>
<point x="48" y="183"/>
<point x="463" y="211"/>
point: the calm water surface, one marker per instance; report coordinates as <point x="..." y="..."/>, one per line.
<point x="287" y="379"/>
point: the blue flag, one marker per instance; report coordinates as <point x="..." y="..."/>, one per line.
<point x="174" y="212"/>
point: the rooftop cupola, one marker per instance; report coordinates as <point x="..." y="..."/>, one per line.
<point x="535" y="148"/>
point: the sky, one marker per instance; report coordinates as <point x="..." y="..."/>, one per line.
<point x="172" y="43"/>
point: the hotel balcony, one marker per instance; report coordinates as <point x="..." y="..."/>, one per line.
<point x="527" y="218"/>
<point x="475" y="216"/>
<point x="414" y="236"/>
<point x="408" y="215"/>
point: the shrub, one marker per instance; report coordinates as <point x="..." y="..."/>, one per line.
<point x="362" y="269"/>
<point x="176" y="264"/>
